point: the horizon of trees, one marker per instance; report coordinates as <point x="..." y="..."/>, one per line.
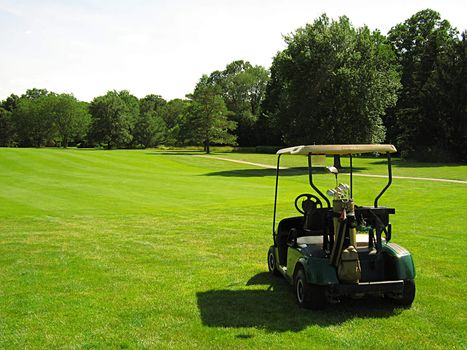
<point x="333" y="83"/>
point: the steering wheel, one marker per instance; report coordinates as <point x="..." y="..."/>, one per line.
<point x="315" y="201"/>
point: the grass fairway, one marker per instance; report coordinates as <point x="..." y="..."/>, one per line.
<point x="146" y="249"/>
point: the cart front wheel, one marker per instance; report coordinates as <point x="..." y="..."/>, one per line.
<point x="272" y="267"/>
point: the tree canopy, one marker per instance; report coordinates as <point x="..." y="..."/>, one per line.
<point x="70" y="117"/>
<point x="33" y="123"/>
<point x="174" y="114"/>
<point x="114" y="117"/>
<point x="208" y="116"/>
<point x="332" y="84"/>
<point x="242" y="86"/>
<point x="41" y="117"/>
<point x="430" y="117"/>
<point x="7" y="130"/>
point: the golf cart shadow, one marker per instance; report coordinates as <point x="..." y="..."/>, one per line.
<point x="275" y="310"/>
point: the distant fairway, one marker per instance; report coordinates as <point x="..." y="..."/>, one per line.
<point x="154" y="249"/>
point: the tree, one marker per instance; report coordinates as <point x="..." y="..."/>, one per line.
<point x="242" y="86"/>
<point x="113" y="118"/>
<point x="428" y="115"/>
<point x="458" y="101"/>
<point x="208" y="116"/>
<point x="150" y="129"/>
<point x="7" y="132"/>
<point x="33" y="119"/>
<point x="34" y="93"/>
<point x="151" y="103"/>
<point x="41" y="117"/>
<point x="10" y="103"/>
<point x="70" y="117"/>
<point x="332" y="84"/>
<point x="7" y="127"/>
<point x="133" y="107"/>
<point x="174" y="114"/>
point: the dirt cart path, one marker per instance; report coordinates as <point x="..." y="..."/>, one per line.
<point x="266" y="166"/>
<point x="242" y="162"/>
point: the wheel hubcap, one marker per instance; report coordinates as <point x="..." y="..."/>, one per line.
<point x="300" y="291"/>
<point x="271" y="262"/>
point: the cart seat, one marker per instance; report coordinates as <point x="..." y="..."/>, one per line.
<point x="362" y="240"/>
<point x="305" y="240"/>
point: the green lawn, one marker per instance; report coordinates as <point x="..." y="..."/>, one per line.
<point x="162" y="249"/>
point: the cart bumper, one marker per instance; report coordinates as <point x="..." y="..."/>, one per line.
<point x="370" y="287"/>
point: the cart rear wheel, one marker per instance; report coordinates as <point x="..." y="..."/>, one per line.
<point x="308" y="295"/>
<point x="407" y="296"/>
<point x="272" y="266"/>
<point x="408" y="293"/>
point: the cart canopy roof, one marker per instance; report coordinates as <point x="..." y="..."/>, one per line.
<point x="338" y="149"/>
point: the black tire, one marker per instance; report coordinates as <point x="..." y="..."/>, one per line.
<point x="406" y="298"/>
<point x="408" y="293"/>
<point x="272" y="265"/>
<point x="308" y="295"/>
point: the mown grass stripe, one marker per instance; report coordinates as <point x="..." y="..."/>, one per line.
<point x="157" y="249"/>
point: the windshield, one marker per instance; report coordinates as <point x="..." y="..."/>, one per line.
<point x="369" y="175"/>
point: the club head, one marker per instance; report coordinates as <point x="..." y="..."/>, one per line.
<point x="332" y="169"/>
<point x="343" y="188"/>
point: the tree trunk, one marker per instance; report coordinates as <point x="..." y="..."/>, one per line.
<point x="337" y="161"/>
<point x="206" y="147"/>
<point x="65" y="142"/>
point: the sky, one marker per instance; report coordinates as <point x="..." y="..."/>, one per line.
<point x="163" y="47"/>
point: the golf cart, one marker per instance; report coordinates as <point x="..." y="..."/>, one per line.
<point x="336" y="248"/>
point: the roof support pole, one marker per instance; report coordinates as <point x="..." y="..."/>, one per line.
<point x="351" y="182"/>
<point x="275" y="199"/>
<point x="310" y="176"/>
<point x="389" y="181"/>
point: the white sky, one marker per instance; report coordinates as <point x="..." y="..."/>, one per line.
<point x="88" y="47"/>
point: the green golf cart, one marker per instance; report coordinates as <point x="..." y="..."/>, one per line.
<point x="336" y="248"/>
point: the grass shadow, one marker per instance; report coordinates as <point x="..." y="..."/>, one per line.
<point x="175" y="153"/>
<point x="274" y="309"/>
<point x="262" y="172"/>
<point x="259" y="172"/>
<point x="399" y="163"/>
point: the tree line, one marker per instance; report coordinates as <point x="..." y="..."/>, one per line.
<point x="333" y="83"/>
<point x="222" y="109"/>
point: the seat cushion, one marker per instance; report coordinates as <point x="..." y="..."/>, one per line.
<point x="310" y="240"/>
<point x="362" y="240"/>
